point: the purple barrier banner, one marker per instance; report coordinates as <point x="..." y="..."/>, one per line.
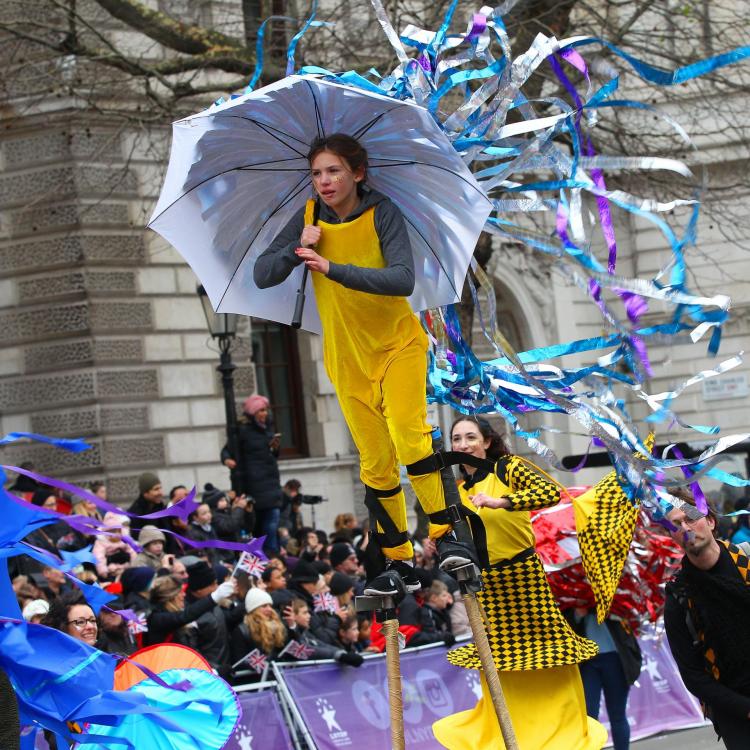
<point x="658" y="701"/>
<point x="345" y="707"/>
<point x="262" y="726"/>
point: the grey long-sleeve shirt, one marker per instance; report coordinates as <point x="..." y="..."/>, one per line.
<point x="396" y="279"/>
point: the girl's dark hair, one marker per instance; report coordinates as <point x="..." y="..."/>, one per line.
<point x="59" y="608"/>
<point x="348" y="148"/>
<point x="174" y="490"/>
<point x="497" y="445"/>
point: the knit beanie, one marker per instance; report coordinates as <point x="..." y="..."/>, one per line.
<point x="339" y="552"/>
<point x="304" y="572"/>
<point x="254" y="404"/>
<point x="136" y="579"/>
<point x="200" y="575"/>
<point x="147" y="481"/>
<point x="256" y="598"/>
<point x="150" y="534"/>
<point x="115" y="521"/>
<point x="34" y="608"/>
<point x="340" y="583"/>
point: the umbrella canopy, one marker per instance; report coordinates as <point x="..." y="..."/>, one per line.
<point x="238" y="172"/>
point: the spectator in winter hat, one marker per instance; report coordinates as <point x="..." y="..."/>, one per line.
<point x="214" y="626"/>
<point x="344" y="559"/>
<point x="261" y="628"/>
<point x="136" y="583"/>
<point x="152" y="541"/>
<point x="258" y="476"/>
<point x="35" y="610"/>
<point x="111" y="552"/>
<point x="150" y="500"/>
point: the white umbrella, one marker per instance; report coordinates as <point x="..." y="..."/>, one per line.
<point x="238" y="172"/>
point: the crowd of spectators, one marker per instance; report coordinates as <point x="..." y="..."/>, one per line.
<point x="299" y="606"/>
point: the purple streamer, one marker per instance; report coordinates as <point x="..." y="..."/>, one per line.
<point x="178" y="510"/>
<point x="181" y="509"/>
<point x="639" y="347"/>
<point x="700" y="499"/>
<point x="478" y="27"/>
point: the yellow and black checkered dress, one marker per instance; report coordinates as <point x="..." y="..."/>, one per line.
<point x="526" y="629"/>
<point x="535" y="649"/>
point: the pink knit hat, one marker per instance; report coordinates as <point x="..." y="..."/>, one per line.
<point x="253" y="404"/>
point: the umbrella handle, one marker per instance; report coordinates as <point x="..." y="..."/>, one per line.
<point x="299" y="305"/>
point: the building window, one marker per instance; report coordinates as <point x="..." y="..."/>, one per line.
<point x="277" y="373"/>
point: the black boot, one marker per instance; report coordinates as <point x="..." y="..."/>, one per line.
<point x="397" y="579"/>
<point x="454" y="554"/>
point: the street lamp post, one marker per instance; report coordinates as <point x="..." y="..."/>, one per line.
<point x="223" y="329"/>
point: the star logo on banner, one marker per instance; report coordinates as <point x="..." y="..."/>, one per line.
<point x="652" y="667"/>
<point x="245" y="740"/>
<point x="328" y="714"/>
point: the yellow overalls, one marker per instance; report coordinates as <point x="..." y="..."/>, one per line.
<point x="375" y="353"/>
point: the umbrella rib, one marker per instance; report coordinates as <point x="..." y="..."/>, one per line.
<point x="436" y="256"/>
<point x="318" y="118"/>
<point x="293" y="193"/>
<point x="243" y="168"/>
<point x="432" y="166"/>
<point x="268" y="128"/>
<point x="359" y="133"/>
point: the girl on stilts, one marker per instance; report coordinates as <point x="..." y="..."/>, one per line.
<point x="354" y="240"/>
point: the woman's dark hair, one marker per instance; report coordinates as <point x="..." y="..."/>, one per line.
<point x="497" y="446"/>
<point x="59" y="609"/>
<point x="40" y="496"/>
<point x="96" y="485"/>
<point x="174" y="489"/>
<point x="348" y="148"/>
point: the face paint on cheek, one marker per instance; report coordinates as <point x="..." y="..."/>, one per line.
<point x="336" y="178"/>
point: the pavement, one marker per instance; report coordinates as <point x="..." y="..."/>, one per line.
<point x="702" y="738"/>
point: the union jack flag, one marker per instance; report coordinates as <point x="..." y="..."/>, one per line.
<point x="251" y="564"/>
<point x="138" y="624"/>
<point x="297" y="650"/>
<point x="256" y="660"/>
<point x="325" y="602"/>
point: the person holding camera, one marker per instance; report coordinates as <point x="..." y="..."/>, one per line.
<point x="258" y="476"/>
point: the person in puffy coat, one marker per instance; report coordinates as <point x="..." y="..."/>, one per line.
<point x="258" y="475"/>
<point x="113" y="555"/>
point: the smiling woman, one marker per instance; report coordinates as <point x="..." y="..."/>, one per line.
<point x="70" y="614"/>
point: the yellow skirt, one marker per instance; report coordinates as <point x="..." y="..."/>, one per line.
<point x="547" y="709"/>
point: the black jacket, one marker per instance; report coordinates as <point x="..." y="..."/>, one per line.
<point x="241" y="644"/>
<point x="162" y="623"/>
<point x="119" y="641"/>
<point x="689" y="652"/>
<point x="259" y="476"/>
<point x="142" y="507"/>
<point x="213" y="629"/>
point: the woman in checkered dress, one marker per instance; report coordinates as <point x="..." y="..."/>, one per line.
<point x="535" y="650"/>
